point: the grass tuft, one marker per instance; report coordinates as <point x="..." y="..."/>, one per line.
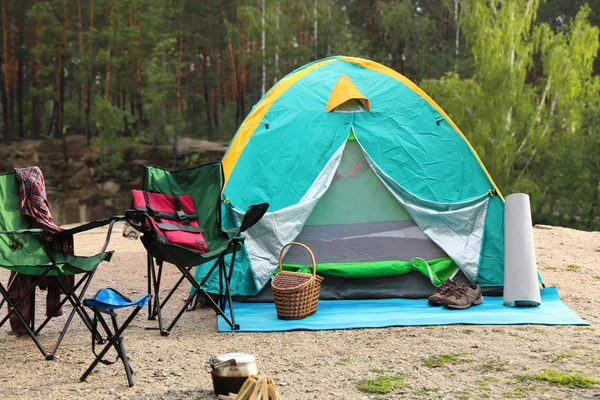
<point x="559" y="378"/>
<point x="518" y="393"/>
<point x="440" y="360"/>
<point x="573" y="268"/>
<point x="493" y="366"/>
<point x="425" y="391"/>
<point x="558" y="356"/>
<point x="381" y="385"/>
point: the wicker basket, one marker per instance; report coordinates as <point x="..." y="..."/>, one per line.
<point x="296" y="294"/>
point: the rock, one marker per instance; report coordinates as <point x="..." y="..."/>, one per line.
<point x="111" y="187"/>
<point x="81" y="179"/>
<point x="91" y="159"/>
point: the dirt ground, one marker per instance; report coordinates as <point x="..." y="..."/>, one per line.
<point x="445" y="362"/>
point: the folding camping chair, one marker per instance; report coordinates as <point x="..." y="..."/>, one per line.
<point x="204" y="184"/>
<point x="26" y="250"/>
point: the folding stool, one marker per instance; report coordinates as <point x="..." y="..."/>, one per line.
<point x="106" y="301"/>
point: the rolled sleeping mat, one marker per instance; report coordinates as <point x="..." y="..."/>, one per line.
<point x="521" y="286"/>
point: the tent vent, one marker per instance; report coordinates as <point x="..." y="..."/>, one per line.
<point x="345" y="92"/>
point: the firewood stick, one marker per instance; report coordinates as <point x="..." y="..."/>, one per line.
<point x="246" y="383"/>
<point x="271" y="384"/>
<point x="243" y="395"/>
<point x="254" y="394"/>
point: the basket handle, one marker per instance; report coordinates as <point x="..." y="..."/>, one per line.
<point x="312" y="256"/>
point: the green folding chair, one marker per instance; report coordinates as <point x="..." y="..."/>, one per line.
<point x="27" y="251"/>
<point x="204" y="184"/>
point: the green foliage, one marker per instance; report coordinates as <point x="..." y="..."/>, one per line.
<point x="558" y="378"/>
<point x="517" y="76"/>
<point x="381" y="385"/>
<point x="116" y="151"/>
<point x="526" y="107"/>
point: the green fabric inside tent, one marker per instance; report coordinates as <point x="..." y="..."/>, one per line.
<point x="437" y="270"/>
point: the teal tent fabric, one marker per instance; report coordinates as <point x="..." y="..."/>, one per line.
<point x="291" y="157"/>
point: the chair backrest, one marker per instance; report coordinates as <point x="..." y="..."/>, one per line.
<point x="30" y="251"/>
<point x="204" y="183"/>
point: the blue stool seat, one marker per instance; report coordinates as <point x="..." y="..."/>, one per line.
<point x="110" y="299"/>
<point x="106" y="301"/>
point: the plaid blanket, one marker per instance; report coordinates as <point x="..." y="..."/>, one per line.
<point x="34" y="204"/>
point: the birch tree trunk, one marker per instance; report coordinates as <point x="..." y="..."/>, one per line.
<point x="20" y="86"/>
<point x="110" y="28"/>
<point x="315" y="29"/>
<point x="36" y="100"/>
<point x="277" y="12"/>
<point x="62" y="128"/>
<point x="83" y="72"/>
<point x="457" y="26"/>
<point x="88" y="105"/>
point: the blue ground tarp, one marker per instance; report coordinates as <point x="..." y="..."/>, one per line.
<point x="352" y="314"/>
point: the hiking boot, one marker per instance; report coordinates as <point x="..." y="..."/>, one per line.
<point x="444" y="290"/>
<point x="464" y="296"/>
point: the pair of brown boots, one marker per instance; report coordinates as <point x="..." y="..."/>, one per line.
<point x="457" y="296"/>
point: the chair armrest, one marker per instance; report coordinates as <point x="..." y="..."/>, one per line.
<point x="253" y="214"/>
<point x="90" y="225"/>
<point x="139" y="220"/>
<point x="32" y="231"/>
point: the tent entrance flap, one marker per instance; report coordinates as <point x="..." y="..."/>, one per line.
<point x="358" y="224"/>
<point x="457" y="228"/>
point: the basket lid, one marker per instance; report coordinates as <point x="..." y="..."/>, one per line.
<point x="285" y="279"/>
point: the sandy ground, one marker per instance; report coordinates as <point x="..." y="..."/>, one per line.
<point x="327" y="364"/>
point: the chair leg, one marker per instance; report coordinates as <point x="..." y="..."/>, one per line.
<point x="209" y="299"/>
<point x="31" y="334"/>
<point x="14" y="305"/>
<point x="228" y="283"/>
<point x="156" y="278"/>
<point x="149" y="262"/>
<point x="61" y="304"/>
<point x="128" y="369"/>
<point x="77" y="308"/>
<point x="121" y="349"/>
<point x="152" y="288"/>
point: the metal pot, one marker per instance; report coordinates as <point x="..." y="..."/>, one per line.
<point x="230" y="370"/>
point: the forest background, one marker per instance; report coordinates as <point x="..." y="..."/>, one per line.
<point x="519" y="77"/>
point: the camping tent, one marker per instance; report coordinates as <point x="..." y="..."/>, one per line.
<point x="361" y="165"/>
